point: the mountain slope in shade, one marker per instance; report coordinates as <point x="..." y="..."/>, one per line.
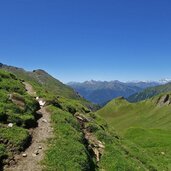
<point x="100" y="92"/>
<point x="149" y="92"/>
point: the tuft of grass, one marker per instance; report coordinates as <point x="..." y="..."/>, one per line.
<point x="16" y="136"/>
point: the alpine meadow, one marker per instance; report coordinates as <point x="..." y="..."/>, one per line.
<point x="85" y="85"/>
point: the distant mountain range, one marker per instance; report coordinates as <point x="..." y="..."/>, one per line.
<point x="100" y="92"/>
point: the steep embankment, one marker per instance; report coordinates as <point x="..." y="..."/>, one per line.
<point x="147" y="124"/>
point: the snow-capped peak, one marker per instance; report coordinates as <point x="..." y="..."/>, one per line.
<point x="165" y="80"/>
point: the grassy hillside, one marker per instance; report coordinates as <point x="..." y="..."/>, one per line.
<point x="46" y="86"/>
<point x="146" y="123"/>
<point x="82" y="140"/>
<point x="149" y="92"/>
<point x="41" y="78"/>
<point x="69" y="145"/>
<point x="149" y="114"/>
<point x="18" y="108"/>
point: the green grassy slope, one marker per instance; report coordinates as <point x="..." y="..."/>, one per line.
<point x="68" y="149"/>
<point x="147" y="124"/>
<point x="18" y="108"/>
<point x="122" y="114"/>
<point x="42" y="78"/>
<point x="68" y="144"/>
<point x="45" y="85"/>
<point x="149" y="92"/>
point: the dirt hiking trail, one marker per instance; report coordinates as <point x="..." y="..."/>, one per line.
<point x="30" y="159"/>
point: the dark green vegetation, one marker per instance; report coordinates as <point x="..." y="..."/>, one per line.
<point x="100" y="92"/>
<point x="3" y="154"/>
<point x="18" y="108"/>
<point x="147" y="124"/>
<point x="150" y="92"/>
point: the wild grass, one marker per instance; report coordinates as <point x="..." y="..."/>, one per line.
<point x="16" y="136"/>
<point x="146" y="124"/>
<point x="18" y="108"/>
<point x="67" y="150"/>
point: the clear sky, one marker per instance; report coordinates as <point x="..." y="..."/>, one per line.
<point x="77" y="40"/>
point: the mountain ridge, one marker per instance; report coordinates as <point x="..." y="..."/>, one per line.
<point x="150" y="92"/>
<point x="99" y="92"/>
<point x="81" y="139"/>
<point x="146" y="123"/>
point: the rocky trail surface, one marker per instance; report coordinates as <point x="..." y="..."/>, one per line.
<point x="30" y="159"/>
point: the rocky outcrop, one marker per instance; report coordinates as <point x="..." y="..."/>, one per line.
<point x="95" y="146"/>
<point x="164" y="100"/>
<point x="82" y="118"/>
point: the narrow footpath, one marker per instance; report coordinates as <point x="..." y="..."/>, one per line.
<point x="30" y="159"/>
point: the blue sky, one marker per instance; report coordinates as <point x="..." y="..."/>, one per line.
<point x="76" y="40"/>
